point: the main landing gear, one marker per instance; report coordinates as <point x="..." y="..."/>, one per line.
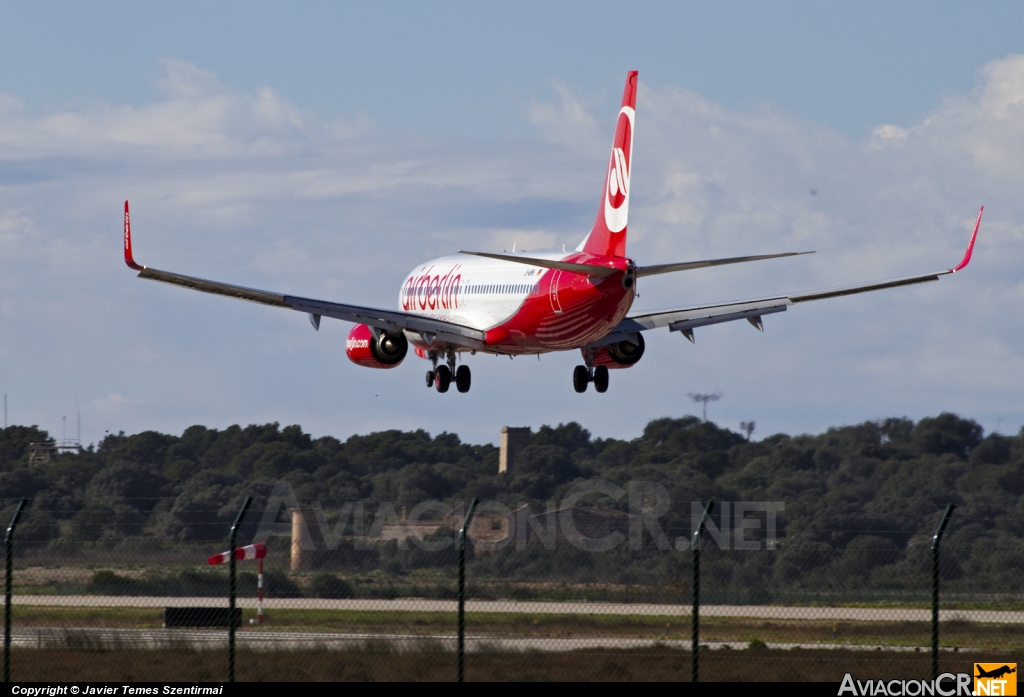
<point x="442" y="375"/>
<point x="583" y="375"/>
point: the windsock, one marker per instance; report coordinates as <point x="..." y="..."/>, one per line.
<point x="254" y="551"/>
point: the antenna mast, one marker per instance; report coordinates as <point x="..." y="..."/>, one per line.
<point x="54" y="447"/>
<point x="704" y="398"/>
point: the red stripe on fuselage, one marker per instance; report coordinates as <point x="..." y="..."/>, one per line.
<point x="590" y="308"/>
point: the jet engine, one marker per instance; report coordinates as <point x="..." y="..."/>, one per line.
<point x="621" y="354"/>
<point x="383" y="351"/>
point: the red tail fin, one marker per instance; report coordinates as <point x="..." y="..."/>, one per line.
<point x="609" y="233"/>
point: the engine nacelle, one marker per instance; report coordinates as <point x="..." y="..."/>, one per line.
<point x="621" y="354"/>
<point x="385" y="351"/>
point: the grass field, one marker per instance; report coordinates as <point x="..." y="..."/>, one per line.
<point x="741" y="631"/>
<point x="652" y="664"/>
<point x="160" y="572"/>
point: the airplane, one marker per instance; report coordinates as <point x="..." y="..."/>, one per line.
<point x="995" y="672"/>
<point x="525" y="304"/>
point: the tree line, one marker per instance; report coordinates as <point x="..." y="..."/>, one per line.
<point x="860" y="501"/>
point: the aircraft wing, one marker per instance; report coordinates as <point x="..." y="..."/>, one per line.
<point x="685" y="319"/>
<point x="384" y="320"/>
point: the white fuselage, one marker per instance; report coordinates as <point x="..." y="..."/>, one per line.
<point x="472" y="291"/>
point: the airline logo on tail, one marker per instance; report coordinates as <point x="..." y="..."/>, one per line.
<point x="616" y="198"/>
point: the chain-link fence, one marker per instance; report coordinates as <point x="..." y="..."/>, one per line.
<point x="570" y="590"/>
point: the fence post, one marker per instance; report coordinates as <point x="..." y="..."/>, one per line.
<point x="695" y="612"/>
<point x="9" y="549"/>
<point x="461" y="648"/>
<point x="232" y="563"/>
<point x="935" y="588"/>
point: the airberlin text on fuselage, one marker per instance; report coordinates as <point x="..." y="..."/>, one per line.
<point x="432" y="291"/>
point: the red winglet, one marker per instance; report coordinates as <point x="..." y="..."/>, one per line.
<point x="128" y="259"/>
<point x="970" y="246"/>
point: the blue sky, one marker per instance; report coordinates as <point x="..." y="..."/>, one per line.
<point x="327" y="148"/>
<point x="438" y="69"/>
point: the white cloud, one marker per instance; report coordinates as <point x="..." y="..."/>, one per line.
<point x="111" y="403"/>
<point x="568" y="122"/>
<point x="199" y="118"/>
<point x="889" y="134"/>
<point x="522" y="240"/>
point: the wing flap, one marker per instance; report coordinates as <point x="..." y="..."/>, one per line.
<point x="703" y="315"/>
<point x="392" y="320"/>
<point x="703" y="319"/>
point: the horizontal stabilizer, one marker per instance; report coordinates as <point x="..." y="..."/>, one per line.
<point x="688" y="265"/>
<point x="587" y="269"/>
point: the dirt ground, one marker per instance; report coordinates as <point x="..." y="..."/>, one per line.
<point x="661" y="664"/>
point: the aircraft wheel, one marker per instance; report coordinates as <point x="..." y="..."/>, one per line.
<point x="462" y="378"/>
<point x="442" y="378"/>
<point x="601" y="378"/>
<point x="430" y="378"/>
<point x="580" y="378"/>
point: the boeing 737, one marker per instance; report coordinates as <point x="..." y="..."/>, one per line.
<point x="525" y="304"/>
